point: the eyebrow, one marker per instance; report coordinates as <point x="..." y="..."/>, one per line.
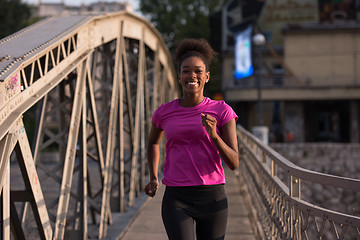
<point x="195" y="66"/>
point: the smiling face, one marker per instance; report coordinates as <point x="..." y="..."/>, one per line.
<point x="193" y="75"/>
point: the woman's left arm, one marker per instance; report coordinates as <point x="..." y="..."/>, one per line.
<point x="227" y="145"/>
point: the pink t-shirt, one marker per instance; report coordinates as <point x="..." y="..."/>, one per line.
<point x="192" y="158"/>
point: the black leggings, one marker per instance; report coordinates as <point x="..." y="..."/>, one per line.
<point x="205" y="205"/>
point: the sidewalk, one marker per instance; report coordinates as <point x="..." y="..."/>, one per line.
<point x="147" y="225"/>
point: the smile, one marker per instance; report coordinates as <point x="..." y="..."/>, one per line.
<point x="192" y="83"/>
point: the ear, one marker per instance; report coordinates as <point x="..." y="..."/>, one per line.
<point x="207" y="77"/>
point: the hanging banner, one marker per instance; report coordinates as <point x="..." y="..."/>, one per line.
<point x="243" y="62"/>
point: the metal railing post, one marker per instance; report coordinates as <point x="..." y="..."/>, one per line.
<point x="295" y="218"/>
<point x="273" y="194"/>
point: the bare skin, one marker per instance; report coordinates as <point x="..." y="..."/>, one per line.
<point x="193" y="76"/>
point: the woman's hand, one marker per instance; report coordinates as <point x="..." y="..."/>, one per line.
<point x="153" y="156"/>
<point x="227" y="144"/>
<point x="151" y="188"/>
<point x="209" y="123"/>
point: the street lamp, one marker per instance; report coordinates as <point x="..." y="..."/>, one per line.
<point x="259" y="131"/>
<point x="259" y="42"/>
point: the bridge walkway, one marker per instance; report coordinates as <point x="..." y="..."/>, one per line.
<point x="148" y="224"/>
<point x="57" y="75"/>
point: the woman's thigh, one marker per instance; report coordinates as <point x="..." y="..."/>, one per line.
<point x="179" y="224"/>
<point x="212" y="223"/>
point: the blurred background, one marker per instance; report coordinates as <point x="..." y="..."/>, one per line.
<point x="291" y="66"/>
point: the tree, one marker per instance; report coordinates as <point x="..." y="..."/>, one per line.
<point x="181" y="19"/>
<point x="14" y="15"/>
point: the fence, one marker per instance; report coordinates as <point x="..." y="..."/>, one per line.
<point x="272" y="187"/>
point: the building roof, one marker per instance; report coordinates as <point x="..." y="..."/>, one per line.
<point x="326" y="26"/>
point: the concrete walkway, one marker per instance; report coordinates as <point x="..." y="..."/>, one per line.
<point x="147" y="225"/>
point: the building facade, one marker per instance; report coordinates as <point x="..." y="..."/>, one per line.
<point x="44" y="9"/>
<point x="308" y="70"/>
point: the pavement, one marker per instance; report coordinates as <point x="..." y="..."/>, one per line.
<point x="146" y="222"/>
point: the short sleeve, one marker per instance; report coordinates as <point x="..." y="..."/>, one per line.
<point x="227" y="114"/>
<point x="156" y="118"/>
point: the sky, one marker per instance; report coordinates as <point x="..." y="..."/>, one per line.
<point x="134" y="3"/>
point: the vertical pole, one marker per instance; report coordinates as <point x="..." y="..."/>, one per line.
<point x="39" y="129"/>
<point x="5" y="200"/>
<point x="142" y="138"/>
<point x="136" y="140"/>
<point x="5" y="150"/>
<point x="258" y="78"/>
<point x="64" y="198"/>
<point x="295" y="190"/>
<point x="62" y="119"/>
<point x="274" y="169"/>
<point x="111" y="140"/>
<point x="121" y="124"/>
<point x="157" y="76"/>
<point x="90" y="90"/>
<point x="83" y="171"/>
<point x="145" y="126"/>
<point x="295" y="218"/>
<point x="127" y="88"/>
<point x="5" y="186"/>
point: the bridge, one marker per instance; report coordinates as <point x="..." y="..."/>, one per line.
<point x="76" y="98"/>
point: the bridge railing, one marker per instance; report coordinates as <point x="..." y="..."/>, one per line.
<point x="273" y="187"/>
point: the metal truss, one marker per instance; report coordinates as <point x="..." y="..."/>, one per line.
<point x="272" y="190"/>
<point x="75" y="110"/>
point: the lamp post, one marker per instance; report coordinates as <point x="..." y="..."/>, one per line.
<point x="259" y="131"/>
<point x="259" y="42"/>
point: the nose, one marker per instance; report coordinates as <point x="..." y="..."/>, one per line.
<point x="193" y="74"/>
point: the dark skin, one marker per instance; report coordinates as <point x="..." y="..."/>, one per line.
<point x="193" y="76"/>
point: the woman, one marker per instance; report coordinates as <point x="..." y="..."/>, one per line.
<point x="198" y="131"/>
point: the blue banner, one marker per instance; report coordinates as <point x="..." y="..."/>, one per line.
<point x="243" y="61"/>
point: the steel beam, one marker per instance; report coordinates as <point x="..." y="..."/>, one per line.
<point x="70" y="154"/>
<point x="91" y="91"/>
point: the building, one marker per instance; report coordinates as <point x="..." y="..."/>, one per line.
<point x="309" y="70"/>
<point x="44" y="9"/>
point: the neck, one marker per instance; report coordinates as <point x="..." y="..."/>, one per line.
<point x="191" y="101"/>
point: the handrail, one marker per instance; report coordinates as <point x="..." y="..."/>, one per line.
<point x="282" y="81"/>
<point x="304" y="174"/>
<point x="272" y="187"/>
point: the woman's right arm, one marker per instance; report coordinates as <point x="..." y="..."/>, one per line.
<point x="153" y="156"/>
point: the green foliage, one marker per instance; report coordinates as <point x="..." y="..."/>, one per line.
<point x="14" y="15"/>
<point x="179" y="19"/>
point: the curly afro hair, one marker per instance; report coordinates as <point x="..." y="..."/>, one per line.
<point x="194" y="48"/>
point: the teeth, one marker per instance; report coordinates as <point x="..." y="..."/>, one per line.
<point x="192" y="83"/>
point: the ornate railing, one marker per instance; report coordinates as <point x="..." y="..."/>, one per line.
<point x="272" y="187"/>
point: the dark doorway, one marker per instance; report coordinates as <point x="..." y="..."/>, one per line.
<point x="327" y="121"/>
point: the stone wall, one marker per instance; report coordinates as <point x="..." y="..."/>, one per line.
<point x="339" y="159"/>
<point x="331" y="158"/>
